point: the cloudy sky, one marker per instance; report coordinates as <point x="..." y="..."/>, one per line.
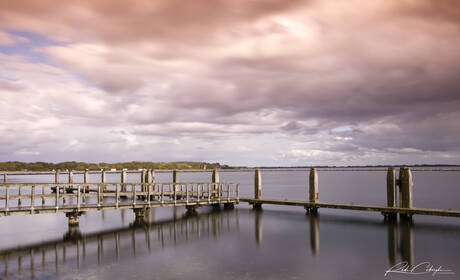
<point x="241" y="82"/>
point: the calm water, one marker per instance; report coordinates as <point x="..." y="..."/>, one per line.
<point x="278" y="242"/>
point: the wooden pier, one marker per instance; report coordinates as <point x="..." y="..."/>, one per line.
<point x="76" y="198"/>
<point x="399" y="190"/>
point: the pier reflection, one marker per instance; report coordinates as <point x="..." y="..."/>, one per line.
<point x="399" y="249"/>
<point x="75" y="249"/>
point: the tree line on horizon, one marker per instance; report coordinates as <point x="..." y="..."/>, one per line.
<point x="132" y="165"/>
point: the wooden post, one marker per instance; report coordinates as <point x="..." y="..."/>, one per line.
<point x="175" y="180"/>
<point x="123" y="180"/>
<point x="4" y="178"/>
<point x="175" y="176"/>
<point x="70" y="187"/>
<point x="406" y="185"/>
<point x="257" y="184"/>
<point x="148" y="181"/>
<point x="56" y="176"/>
<point x="391" y="187"/>
<point x="85" y="179"/>
<point x="215" y="180"/>
<point x="313" y="190"/>
<point x="391" y="191"/>
<point x="104" y="179"/>
<point x="257" y="188"/>
<point x="143" y="180"/>
<point x="313" y="184"/>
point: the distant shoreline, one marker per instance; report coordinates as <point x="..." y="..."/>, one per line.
<point x="181" y="165"/>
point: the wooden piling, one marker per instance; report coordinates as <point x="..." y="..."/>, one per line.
<point x="123" y="181"/>
<point x="86" y="179"/>
<point x="313" y="185"/>
<point x="56" y="176"/>
<point x="70" y="177"/>
<point x="143" y="179"/>
<point x="391" y="187"/>
<point x="257" y="184"/>
<point x="391" y="191"/>
<point x="4" y="178"/>
<point x="257" y="188"/>
<point x="104" y="179"/>
<point x="215" y="179"/>
<point x="406" y="185"/>
<point x="175" y="176"/>
<point x="313" y="190"/>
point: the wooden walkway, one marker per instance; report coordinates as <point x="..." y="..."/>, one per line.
<point x="382" y="209"/>
<point x="75" y="198"/>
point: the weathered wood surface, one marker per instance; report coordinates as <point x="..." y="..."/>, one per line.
<point x="135" y="195"/>
<point x="383" y="209"/>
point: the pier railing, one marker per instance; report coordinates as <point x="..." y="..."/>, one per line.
<point x="34" y="198"/>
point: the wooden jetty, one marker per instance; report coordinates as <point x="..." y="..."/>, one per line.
<point x="76" y="198"/>
<point x="399" y="190"/>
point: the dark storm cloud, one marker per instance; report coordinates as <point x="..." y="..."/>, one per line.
<point x="316" y="76"/>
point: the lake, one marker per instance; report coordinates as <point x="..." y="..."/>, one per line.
<point x="278" y="242"/>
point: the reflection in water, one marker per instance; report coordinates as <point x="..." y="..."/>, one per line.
<point x="406" y="241"/>
<point x="258" y="225"/>
<point x="112" y="245"/>
<point x="406" y="238"/>
<point x="314" y="232"/>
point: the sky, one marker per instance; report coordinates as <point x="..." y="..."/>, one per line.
<point x="240" y="82"/>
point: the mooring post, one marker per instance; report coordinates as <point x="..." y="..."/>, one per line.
<point x="104" y="179"/>
<point x="4" y="178"/>
<point x="257" y="188"/>
<point x="391" y="191"/>
<point x="70" y="187"/>
<point x="56" y="180"/>
<point x="85" y="180"/>
<point x="175" y="178"/>
<point x="215" y="180"/>
<point x="313" y="190"/>
<point x="148" y="182"/>
<point x="406" y="185"/>
<point x="123" y="181"/>
<point x="143" y="179"/>
<point x="56" y="176"/>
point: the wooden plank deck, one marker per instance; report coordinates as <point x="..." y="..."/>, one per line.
<point x="382" y="209"/>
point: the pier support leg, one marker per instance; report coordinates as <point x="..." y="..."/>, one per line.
<point x="191" y="209"/>
<point x="229" y="205"/>
<point x="74" y="218"/>
<point x="257" y="206"/>
<point x="140" y="214"/>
